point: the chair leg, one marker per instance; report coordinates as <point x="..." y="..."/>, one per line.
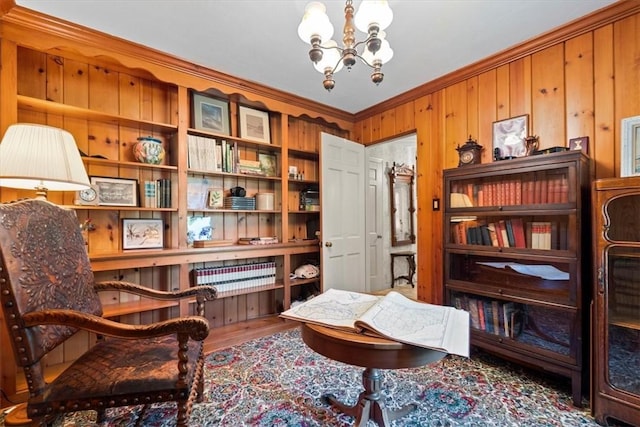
<point x="100" y="417"/>
<point x="182" y="419"/>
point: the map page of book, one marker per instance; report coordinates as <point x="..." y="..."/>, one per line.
<point x="392" y="316"/>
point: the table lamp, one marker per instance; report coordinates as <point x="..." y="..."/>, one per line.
<point x="41" y="157"/>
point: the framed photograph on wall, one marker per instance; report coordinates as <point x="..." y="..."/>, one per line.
<point x="630" y="153"/>
<point x="580" y="144"/>
<point x="210" y="114"/>
<point x="142" y="233"/>
<point x="509" y="137"/>
<point x="254" y="125"/>
<point x="116" y="191"/>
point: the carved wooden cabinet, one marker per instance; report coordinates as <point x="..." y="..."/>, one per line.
<point x="616" y="308"/>
<point x="515" y="256"/>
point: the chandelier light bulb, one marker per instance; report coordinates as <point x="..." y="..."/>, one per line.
<point x="375" y="12"/>
<point x="331" y="58"/>
<point x="384" y="54"/>
<point x="315" y="23"/>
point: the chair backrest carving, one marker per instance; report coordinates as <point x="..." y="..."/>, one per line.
<point x="43" y="265"/>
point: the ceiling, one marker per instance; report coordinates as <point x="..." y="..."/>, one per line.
<point x="257" y="40"/>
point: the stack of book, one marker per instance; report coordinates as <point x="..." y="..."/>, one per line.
<point x="240" y="203"/>
<point x="250" y="167"/>
<point x="258" y="240"/>
<point x="236" y="277"/>
<point x="157" y="194"/>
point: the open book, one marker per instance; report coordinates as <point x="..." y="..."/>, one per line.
<point x="392" y="316"/>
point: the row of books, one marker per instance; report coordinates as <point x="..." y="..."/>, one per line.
<point x="503" y="318"/>
<point x="236" y="277"/>
<point x="156" y="194"/>
<point x="529" y="188"/>
<point x="511" y="233"/>
<point x="258" y="241"/>
<point x="211" y="155"/>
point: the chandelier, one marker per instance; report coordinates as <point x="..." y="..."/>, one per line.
<point x="328" y="58"/>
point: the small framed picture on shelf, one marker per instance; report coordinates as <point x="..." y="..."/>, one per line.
<point x="254" y="125"/>
<point x="142" y="233"/>
<point x="216" y="198"/>
<point x="580" y="144"/>
<point x="630" y="153"/>
<point x="210" y="114"/>
<point x="199" y="228"/>
<point x="116" y="191"/>
<point x="268" y="164"/>
<point x="509" y="137"/>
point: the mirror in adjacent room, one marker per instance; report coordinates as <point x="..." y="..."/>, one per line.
<point x="401" y="178"/>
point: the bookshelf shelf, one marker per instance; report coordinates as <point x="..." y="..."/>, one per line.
<point x="516" y="260"/>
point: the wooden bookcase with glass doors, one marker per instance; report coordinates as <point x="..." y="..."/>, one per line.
<point x="616" y="301"/>
<point x="107" y="107"/>
<point x="516" y="257"/>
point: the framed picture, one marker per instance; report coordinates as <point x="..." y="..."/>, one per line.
<point x="142" y="233"/>
<point x="630" y="155"/>
<point x="216" y="198"/>
<point x="116" y="191"/>
<point x="268" y="164"/>
<point x="210" y="114"/>
<point x="254" y="125"/>
<point x="199" y="228"/>
<point x="581" y="144"/>
<point x="509" y="137"/>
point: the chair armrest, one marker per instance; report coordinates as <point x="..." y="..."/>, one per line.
<point x="207" y="292"/>
<point x="196" y="327"/>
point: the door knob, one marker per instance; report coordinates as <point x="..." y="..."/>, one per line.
<point x="328" y="244"/>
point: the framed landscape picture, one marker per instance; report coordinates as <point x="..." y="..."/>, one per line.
<point x="210" y="114"/>
<point x="142" y="233"/>
<point x="509" y="137"/>
<point x="630" y="153"/>
<point x="254" y="125"/>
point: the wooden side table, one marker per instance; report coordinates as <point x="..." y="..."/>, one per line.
<point x="373" y="354"/>
<point x="411" y="261"/>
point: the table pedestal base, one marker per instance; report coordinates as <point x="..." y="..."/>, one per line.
<point x="369" y="405"/>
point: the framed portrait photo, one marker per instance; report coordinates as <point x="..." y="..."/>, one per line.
<point x="254" y="125"/>
<point x="210" y="114"/>
<point x="115" y="191"/>
<point x="509" y="137"/>
<point x="142" y="233"/>
<point x="630" y="153"/>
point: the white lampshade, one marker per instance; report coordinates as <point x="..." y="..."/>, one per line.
<point x="373" y="11"/>
<point x="41" y="157"/>
<point x="384" y="54"/>
<point x="315" y="22"/>
<point x="330" y="57"/>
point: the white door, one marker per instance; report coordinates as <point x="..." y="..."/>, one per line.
<point x="342" y="190"/>
<point x="374" y="217"/>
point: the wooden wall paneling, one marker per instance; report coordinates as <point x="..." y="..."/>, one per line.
<point x="602" y="147"/>
<point x="214" y="312"/>
<point x="267" y="302"/>
<point x="230" y="309"/>
<point x="405" y="118"/>
<point x="103" y="90"/>
<point x="520" y="87"/>
<point x="455" y="122"/>
<point x="9" y="109"/>
<point x="253" y="305"/>
<point x="487" y="96"/>
<point x="548" y="113"/>
<point x="472" y="107"/>
<point x="32" y="79"/>
<point x="77" y="345"/>
<point x="76" y="83"/>
<point x="376" y="123"/>
<point x="129" y="96"/>
<point x="626" y="46"/>
<point x="503" y="93"/>
<point x="55" y="79"/>
<point x="579" y="80"/>
<point x="388" y="124"/>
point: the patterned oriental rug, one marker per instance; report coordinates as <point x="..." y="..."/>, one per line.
<point x="278" y="381"/>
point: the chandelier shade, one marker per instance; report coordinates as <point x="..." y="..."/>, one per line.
<point x="41" y="157"/>
<point x="328" y="58"/>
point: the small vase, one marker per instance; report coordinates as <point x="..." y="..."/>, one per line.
<point x="148" y="150"/>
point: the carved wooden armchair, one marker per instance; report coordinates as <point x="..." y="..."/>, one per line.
<point x="48" y="293"/>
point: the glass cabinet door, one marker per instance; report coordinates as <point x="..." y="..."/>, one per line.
<point x="623" y="292"/>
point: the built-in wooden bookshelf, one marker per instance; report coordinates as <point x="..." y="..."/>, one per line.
<point x="517" y="260"/>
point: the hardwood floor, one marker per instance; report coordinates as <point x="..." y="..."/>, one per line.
<point x="238" y="333"/>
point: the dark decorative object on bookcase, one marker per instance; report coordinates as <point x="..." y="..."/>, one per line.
<point x="532" y="143"/>
<point x="581" y="144"/>
<point x="469" y="152"/>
